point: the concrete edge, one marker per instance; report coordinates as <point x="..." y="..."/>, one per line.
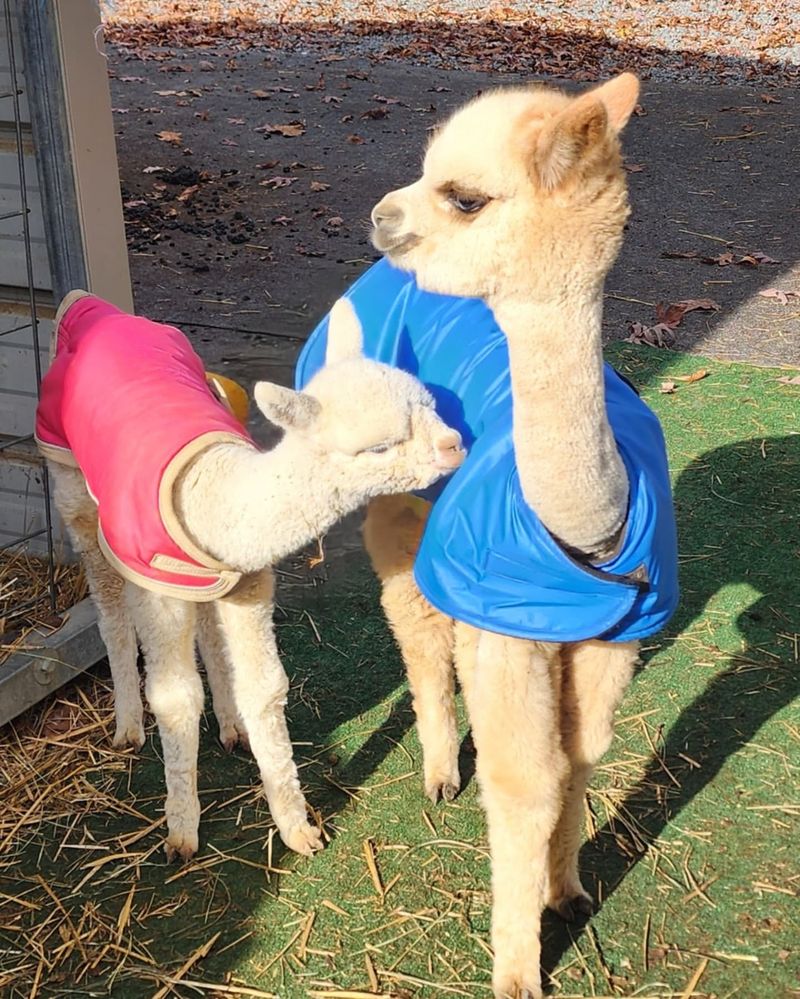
<point x="30" y="675"/>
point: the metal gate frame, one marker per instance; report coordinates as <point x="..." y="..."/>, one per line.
<point x="73" y="136"/>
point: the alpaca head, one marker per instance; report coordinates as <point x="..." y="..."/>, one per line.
<point x="522" y="191"/>
<point x="374" y="427"/>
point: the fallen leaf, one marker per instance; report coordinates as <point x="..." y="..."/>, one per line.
<point x="385" y="100"/>
<point x="355" y="139"/>
<point x="782" y="296"/>
<point x="229" y="142"/>
<point x="282" y="220"/>
<point x="639" y="111"/>
<point x="188" y="192"/>
<point x="235" y="121"/>
<point x="671" y="315"/>
<point x="659" y="335"/>
<point x="335" y="221"/>
<point x="267" y="165"/>
<point x="790" y="380"/>
<point x="634" y="167"/>
<point x="331" y="99"/>
<point x="174" y="138"/>
<point x="374" y="113"/>
<point x="153" y="169"/>
<point x="319" y="85"/>
<point x="289" y="130"/>
<point x="202" y="115"/>
<point x="318" y="185"/>
<point x="766" y="98"/>
<point x="762" y="258"/>
<point x="275" y="182"/>
<point x="305" y="252"/>
<point x="205" y="65"/>
<point x="694" y="377"/>
<point x="706" y="304"/>
<point x="680" y="254"/>
<point x="355" y="75"/>
<point x="131" y="79"/>
<point x="723" y="259"/>
<point x="667" y="388"/>
<point x="261" y="95"/>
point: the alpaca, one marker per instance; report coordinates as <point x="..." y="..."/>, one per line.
<point x="241" y="511"/>
<point x="520" y="207"/>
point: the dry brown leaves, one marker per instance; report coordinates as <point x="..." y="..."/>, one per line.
<point x="725" y="259"/>
<point x="779" y="295"/>
<point x="288" y="130"/>
<point x="498" y="38"/>
<point x="668" y="317"/>
<point x="173" y="138"/>
<point x="669" y="387"/>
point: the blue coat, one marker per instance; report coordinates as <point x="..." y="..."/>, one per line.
<point x="485" y="558"/>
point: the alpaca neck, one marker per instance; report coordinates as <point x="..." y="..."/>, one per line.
<point x="249" y="509"/>
<point x="569" y="467"/>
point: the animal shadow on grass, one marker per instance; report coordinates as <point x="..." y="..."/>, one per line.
<point x="738" y="510"/>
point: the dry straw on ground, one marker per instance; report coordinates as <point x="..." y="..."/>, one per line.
<point x="26" y="613"/>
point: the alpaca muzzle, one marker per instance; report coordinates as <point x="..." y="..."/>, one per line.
<point x="448" y="452"/>
<point x="388" y="235"/>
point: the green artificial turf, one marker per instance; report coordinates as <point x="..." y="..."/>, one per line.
<point x="695" y="810"/>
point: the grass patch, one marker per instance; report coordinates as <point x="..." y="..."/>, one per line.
<point x="694" y="812"/>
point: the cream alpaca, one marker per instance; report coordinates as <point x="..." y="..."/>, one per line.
<point x="359" y="431"/>
<point x="522" y="203"/>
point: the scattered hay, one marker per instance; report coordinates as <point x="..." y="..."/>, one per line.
<point x="28" y="608"/>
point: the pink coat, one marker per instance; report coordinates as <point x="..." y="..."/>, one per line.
<point x="126" y="401"/>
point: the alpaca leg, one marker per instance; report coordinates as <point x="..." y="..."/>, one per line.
<point x="214" y="655"/>
<point x="392" y="531"/>
<point x="466" y="656"/>
<point x="520" y="768"/>
<point x="166" y="630"/>
<point x="260" y="687"/>
<point x="107" y="589"/>
<point x="595" y="676"/>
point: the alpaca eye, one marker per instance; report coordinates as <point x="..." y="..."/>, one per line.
<point x="380" y="448"/>
<point x="465" y="204"/>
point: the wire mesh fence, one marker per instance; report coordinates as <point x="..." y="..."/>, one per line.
<point x="27" y="582"/>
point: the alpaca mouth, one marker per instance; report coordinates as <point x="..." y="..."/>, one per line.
<point x="392" y="244"/>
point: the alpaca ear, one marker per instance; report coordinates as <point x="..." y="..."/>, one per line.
<point x="345" y="339"/>
<point x="286" y="408"/>
<point x="566" y="137"/>
<point x="619" y="97"/>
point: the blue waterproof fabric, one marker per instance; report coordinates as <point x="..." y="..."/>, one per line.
<point x="485" y="558"/>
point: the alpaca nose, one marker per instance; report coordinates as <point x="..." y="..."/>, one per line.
<point x="387" y="214"/>
<point x="448" y="450"/>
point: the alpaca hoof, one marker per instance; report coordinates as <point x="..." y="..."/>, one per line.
<point x="513" y="990"/>
<point x="303" y="839"/>
<point x="129" y="735"/>
<point x="574" y="908"/>
<point x="441" y="791"/>
<point x="232" y="734"/>
<point x="232" y="737"/>
<point x="180" y="847"/>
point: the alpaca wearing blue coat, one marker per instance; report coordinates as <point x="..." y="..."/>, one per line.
<point x="551" y="552"/>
